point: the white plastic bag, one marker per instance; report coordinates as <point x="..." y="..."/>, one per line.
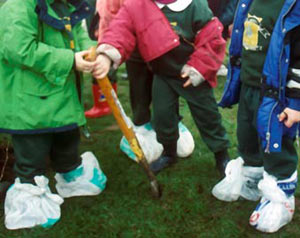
<point x="251" y="177"/>
<point x="86" y="180"/>
<point x="147" y="140"/>
<point x="152" y="148"/>
<point x="277" y="205"/>
<point x="240" y="181"/>
<point x="27" y="205"/>
<point x="185" y="142"/>
<point x="229" y="189"/>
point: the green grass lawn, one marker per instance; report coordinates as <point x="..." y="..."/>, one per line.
<point x="126" y="209"/>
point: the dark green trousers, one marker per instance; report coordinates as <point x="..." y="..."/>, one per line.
<point x="140" y="87"/>
<point x="203" y="107"/>
<point x="31" y="153"/>
<point x="281" y="165"/>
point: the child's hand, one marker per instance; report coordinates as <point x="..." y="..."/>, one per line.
<point x="194" y="77"/>
<point x="289" y="117"/>
<point x="81" y="64"/>
<point x="102" y="66"/>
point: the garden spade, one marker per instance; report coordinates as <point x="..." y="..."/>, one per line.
<point x="125" y="126"/>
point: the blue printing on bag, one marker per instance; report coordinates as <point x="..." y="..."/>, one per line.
<point x="182" y="128"/>
<point x="99" y="179"/>
<point x="50" y="222"/>
<point x="125" y="147"/>
<point x="73" y="175"/>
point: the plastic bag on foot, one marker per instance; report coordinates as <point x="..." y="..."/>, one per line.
<point x="86" y="180"/>
<point x="229" y="188"/>
<point x="185" y="142"/>
<point x="277" y="205"/>
<point x="152" y="148"/>
<point x="27" y="205"/>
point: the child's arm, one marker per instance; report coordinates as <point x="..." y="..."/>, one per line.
<point x="209" y="51"/>
<point x="119" y="39"/>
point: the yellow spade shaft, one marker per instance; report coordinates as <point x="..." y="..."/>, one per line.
<point x="125" y="126"/>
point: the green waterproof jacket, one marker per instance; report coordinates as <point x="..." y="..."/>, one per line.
<point x="38" y="91"/>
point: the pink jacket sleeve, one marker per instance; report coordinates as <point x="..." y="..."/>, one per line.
<point x="107" y="9"/>
<point x="120" y="35"/>
<point x="209" y="51"/>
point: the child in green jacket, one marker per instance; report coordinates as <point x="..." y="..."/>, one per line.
<point x="41" y="57"/>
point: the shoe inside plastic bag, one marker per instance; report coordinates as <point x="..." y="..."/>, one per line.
<point x="152" y="149"/>
<point x="277" y="205"/>
<point x="147" y="140"/>
<point x="229" y="188"/>
<point x="28" y="205"/>
<point x="185" y="142"/>
<point x="86" y="180"/>
<point x="240" y="181"/>
<point x="251" y="177"/>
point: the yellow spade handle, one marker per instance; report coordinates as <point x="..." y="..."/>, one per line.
<point x="125" y="125"/>
<point x="120" y="116"/>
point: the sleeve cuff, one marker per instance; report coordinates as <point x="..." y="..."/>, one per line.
<point x="111" y="52"/>
<point x="294" y="103"/>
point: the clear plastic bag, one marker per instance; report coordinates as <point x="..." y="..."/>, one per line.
<point x="153" y="149"/>
<point x="185" y="142"/>
<point x="277" y="205"/>
<point x="28" y="205"/>
<point x="229" y="189"/>
<point x="86" y="180"/>
<point x="240" y="181"/>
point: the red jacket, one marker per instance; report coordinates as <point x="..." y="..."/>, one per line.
<point x="142" y="23"/>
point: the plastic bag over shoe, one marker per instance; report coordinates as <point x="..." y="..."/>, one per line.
<point x="27" y="205"/>
<point x="86" y="180"/>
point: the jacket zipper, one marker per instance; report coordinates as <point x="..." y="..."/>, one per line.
<point x="268" y="134"/>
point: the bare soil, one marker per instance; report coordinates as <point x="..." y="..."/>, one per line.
<point x="6" y="170"/>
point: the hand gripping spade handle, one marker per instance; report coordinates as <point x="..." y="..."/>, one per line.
<point x="125" y="126"/>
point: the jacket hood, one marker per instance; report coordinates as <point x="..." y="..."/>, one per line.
<point x="82" y="11"/>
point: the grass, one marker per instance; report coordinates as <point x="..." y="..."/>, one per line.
<point x="126" y="209"/>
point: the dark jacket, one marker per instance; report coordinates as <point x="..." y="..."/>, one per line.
<point x="224" y="10"/>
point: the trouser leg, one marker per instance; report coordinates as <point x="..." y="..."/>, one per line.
<point x="140" y="86"/>
<point x="64" y="152"/>
<point x="204" y="110"/>
<point x="165" y="103"/>
<point x="283" y="164"/>
<point x="31" y="152"/>
<point x="248" y="142"/>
